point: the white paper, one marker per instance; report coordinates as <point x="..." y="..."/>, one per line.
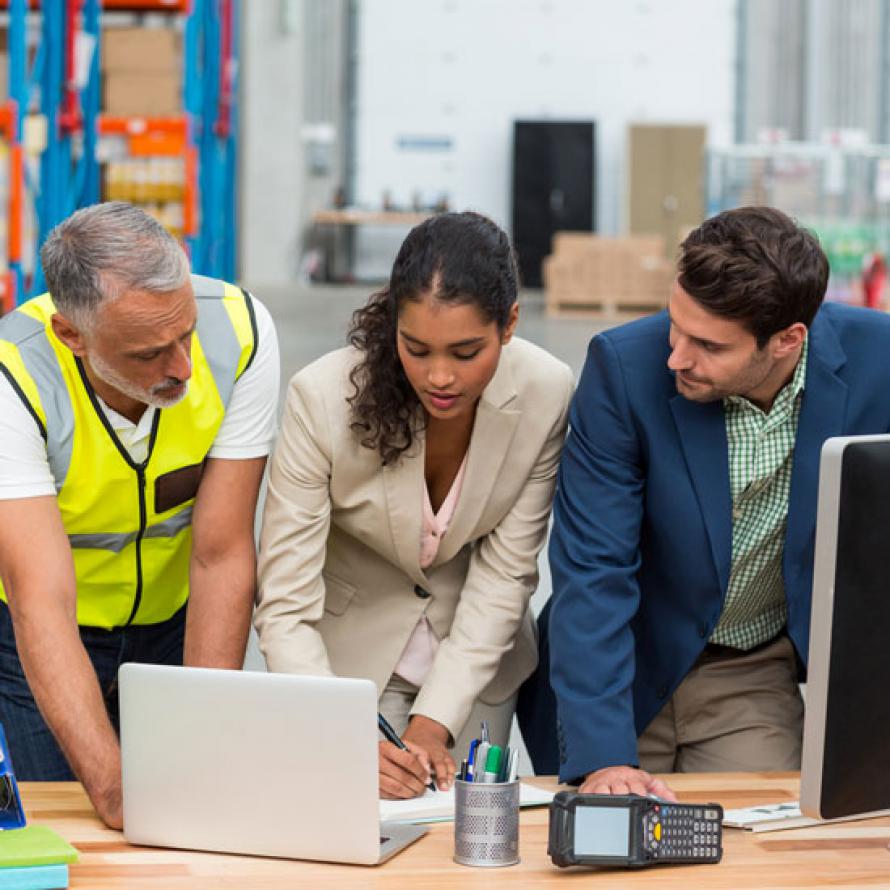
<point x="778" y="816"/>
<point x="770" y="812"/>
<point x="438" y="806"/>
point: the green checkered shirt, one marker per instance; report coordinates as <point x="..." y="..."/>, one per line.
<point x="761" y="451"/>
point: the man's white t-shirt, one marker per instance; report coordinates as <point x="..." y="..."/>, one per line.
<point x="248" y="428"/>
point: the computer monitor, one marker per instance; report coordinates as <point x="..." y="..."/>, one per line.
<point x="846" y="745"/>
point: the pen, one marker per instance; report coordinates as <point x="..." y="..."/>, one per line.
<point x="505" y="763"/>
<point x="392" y="736"/>
<point x="513" y="768"/>
<point x="471" y="759"/>
<point x="492" y="764"/>
<point x="481" y="759"/>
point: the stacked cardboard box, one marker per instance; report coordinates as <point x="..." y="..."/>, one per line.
<point x="609" y="277"/>
<point x="142" y="72"/>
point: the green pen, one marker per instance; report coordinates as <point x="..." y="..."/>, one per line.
<point x="492" y="764"/>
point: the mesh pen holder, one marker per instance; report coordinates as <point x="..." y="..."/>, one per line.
<point x="486" y="823"/>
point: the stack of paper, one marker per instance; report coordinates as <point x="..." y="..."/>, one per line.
<point x="778" y="816"/>
<point x="438" y="806"/>
<point x="34" y="858"/>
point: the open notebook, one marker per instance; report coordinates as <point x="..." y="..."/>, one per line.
<point x="438" y="806"/>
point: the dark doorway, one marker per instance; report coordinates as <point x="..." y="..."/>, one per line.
<point x="553" y="187"/>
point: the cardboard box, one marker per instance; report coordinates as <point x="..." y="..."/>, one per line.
<point x="145" y="95"/>
<point x="608" y="276"/>
<point x="141" y="50"/>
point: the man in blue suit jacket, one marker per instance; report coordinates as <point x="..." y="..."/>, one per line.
<point x="684" y="520"/>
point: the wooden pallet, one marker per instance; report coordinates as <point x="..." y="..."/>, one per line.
<point x="606" y="310"/>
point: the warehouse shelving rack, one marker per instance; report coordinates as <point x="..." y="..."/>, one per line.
<point x="68" y="175"/>
<point x="842" y="192"/>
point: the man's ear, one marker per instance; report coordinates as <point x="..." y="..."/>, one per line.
<point x="791" y="339"/>
<point x="68" y="334"/>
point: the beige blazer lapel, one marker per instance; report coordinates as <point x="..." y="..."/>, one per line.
<point x="493" y="431"/>
<point x="404" y="483"/>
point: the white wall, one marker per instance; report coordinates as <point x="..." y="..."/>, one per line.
<point x="270" y="227"/>
<point x="465" y="69"/>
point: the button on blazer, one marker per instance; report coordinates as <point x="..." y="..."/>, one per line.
<point x="340" y="583"/>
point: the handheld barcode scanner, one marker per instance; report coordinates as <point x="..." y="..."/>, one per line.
<point x="632" y="831"/>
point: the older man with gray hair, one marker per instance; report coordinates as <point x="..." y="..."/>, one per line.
<point x="137" y="409"/>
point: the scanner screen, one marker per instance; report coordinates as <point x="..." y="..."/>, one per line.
<point x="602" y="831"/>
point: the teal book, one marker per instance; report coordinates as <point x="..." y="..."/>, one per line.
<point x="34" y="877"/>
<point x="34" y="845"/>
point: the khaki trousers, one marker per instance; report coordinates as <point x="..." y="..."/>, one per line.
<point x="732" y="712"/>
<point x="398" y="698"/>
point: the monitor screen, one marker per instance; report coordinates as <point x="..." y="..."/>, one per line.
<point x="846" y="750"/>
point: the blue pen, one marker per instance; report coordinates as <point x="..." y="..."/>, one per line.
<point x="471" y="759"/>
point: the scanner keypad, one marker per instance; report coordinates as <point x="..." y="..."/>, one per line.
<point x="682" y="833"/>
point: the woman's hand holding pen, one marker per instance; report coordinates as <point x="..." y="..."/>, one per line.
<point x="432" y="737"/>
<point x="402" y="773"/>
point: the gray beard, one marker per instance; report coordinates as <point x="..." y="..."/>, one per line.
<point x="149" y="397"/>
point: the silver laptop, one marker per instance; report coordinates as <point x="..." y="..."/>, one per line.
<point x="248" y="762"/>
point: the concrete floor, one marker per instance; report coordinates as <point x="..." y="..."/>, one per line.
<point x="312" y="320"/>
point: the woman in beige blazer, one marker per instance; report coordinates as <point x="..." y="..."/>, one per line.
<point x="408" y="499"/>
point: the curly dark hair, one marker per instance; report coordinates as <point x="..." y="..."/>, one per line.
<point x="454" y="258"/>
<point x="757" y="266"/>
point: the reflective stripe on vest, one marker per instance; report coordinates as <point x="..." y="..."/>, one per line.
<point x="169" y="528"/>
<point x="39" y="358"/>
<point x="131" y="558"/>
<point x="215" y="326"/>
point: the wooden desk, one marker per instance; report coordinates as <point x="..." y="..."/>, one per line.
<point x="848" y="855"/>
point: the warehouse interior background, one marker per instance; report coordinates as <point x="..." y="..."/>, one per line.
<point x="405" y="105"/>
<point x="292" y="144"/>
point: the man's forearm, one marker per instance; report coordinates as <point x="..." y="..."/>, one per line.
<point x="220" y="608"/>
<point x="66" y="689"/>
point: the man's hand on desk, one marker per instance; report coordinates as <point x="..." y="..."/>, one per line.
<point x="625" y="780"/>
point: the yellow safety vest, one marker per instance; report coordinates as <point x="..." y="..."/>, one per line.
<point x="129" y="524"/>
